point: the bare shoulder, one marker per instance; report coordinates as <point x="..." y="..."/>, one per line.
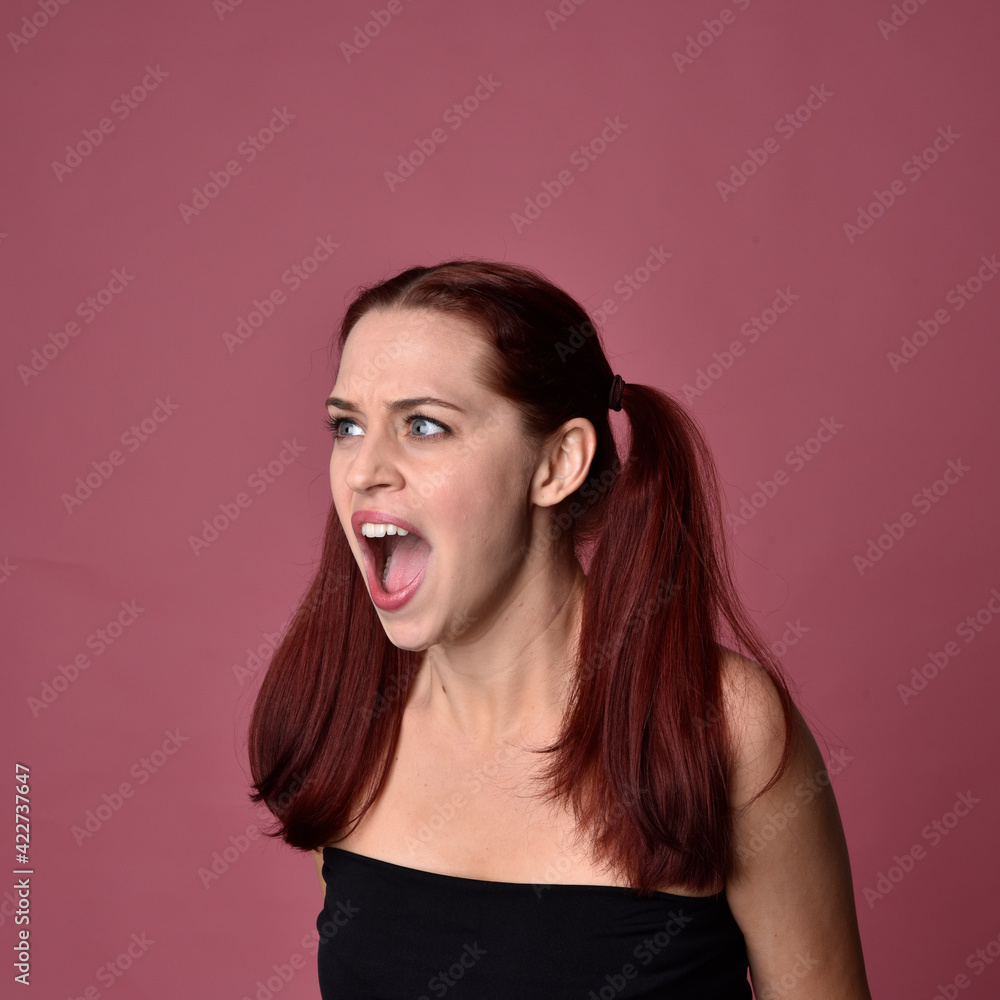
<point x="747" y="687"/>
<point x="791" y="892"/>
<point x="756" y="724"/>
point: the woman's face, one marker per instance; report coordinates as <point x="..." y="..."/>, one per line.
<point x="456" y="468"/>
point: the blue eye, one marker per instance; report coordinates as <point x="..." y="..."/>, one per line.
<point x="336" y="424"/>
<point x="416" y="418"/>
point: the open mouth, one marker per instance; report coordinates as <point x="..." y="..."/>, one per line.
<point x="397" y="560"/>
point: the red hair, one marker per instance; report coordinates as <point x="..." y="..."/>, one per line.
<point x="644" y="756"/>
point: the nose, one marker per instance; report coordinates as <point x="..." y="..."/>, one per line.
<point x="372" y="463"/>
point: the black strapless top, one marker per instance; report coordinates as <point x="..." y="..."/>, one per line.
<point x="390" y="932"/>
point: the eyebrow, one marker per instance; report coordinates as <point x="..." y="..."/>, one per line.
<point x="397" y="404"/>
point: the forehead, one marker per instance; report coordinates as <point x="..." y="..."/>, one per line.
<point x="399" y="347"/>
<point x="414" y="333"/>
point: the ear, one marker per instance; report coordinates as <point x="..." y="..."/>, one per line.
<point x="564" y="462"/>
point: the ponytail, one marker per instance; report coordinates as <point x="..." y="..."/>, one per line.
<point x="644" y="755"/>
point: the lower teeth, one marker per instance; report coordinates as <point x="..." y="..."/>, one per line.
<point x="385" y="572"/>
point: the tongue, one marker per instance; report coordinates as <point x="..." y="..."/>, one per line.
<point x="409" y="557"/>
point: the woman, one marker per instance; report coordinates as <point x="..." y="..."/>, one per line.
<point x="520" y="779"/>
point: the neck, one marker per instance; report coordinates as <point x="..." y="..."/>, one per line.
<point x="510" y="682"/>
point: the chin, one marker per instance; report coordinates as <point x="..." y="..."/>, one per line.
<point x="405" y="637"/>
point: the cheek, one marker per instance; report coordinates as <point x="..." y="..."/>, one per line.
<point x="484" y="503"/>
<point x="341" y="494"/>
<point x="339" y="467"/>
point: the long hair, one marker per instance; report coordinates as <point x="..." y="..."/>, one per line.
<point x="644" y="755"/>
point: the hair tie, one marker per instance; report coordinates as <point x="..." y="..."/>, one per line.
<point x="615" y="396"/>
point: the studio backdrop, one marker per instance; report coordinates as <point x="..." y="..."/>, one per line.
<point x="783" y="214"/>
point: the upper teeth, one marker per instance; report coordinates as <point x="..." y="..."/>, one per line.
<point x="370" y="530"/>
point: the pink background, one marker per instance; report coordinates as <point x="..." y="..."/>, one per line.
<point x="183" y="664"/>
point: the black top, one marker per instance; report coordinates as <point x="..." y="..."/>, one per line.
<point x="388" y="931"/>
